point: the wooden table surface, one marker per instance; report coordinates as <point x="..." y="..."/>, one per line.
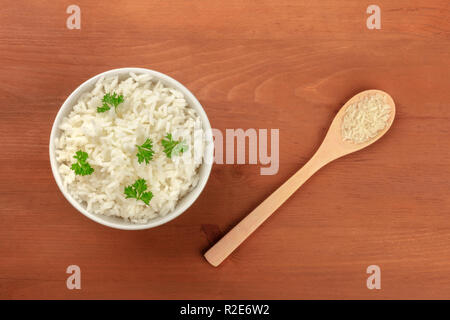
<point x="286" y="65"/>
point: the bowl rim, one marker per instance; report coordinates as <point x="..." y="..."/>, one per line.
<point x="207" y="156"/>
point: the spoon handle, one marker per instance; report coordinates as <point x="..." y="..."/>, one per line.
<point x="225" y="246"/>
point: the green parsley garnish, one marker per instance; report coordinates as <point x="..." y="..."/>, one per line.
<point x="110" y="100"/>
<point x="82" y="168"/>
<point x="137" y="191"/>
<point x="145" y="151"/>
<point x="172" y="147"/>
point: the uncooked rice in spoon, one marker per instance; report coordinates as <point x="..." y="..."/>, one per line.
<point x="365" y="118"/>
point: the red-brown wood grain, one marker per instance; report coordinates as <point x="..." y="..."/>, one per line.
<point x="281" y="64"/>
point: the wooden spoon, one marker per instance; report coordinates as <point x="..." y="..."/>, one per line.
<point x="332" y="147"/>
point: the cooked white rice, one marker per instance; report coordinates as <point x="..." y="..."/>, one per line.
<point x="150" y="110"/>
<point x="363" y="119"/>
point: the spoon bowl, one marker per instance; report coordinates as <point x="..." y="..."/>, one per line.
<point x="333" y="146"/>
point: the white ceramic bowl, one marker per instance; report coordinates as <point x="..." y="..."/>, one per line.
<point x="204" y="170"/>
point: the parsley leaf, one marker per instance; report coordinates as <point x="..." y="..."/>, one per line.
<point x="110" y="100"/>
<point x="145" y="151"/>
<point x="137" y="191"/>
<point x="173" y="147"/>
<point x="82" y="168"/>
